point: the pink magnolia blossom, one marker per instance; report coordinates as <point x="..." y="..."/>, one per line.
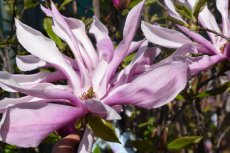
<point x="93" y="82"/>
<point x="217" y="48"/>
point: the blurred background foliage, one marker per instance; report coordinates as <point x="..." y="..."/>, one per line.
<point x="198" y="120"/>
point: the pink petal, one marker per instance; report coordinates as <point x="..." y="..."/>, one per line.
<point x="204" y="62"/>
<point x="191" y="3"/>
<point x="47" y="11"/>
<point x="99" y="108"/>
<point x="106" y="49"/>
<point x="201" y="40"/>
<point x="131" y="25"/>
<point x="222" y="6"/>
<point x="104" y="44"/>
<point x="30" y="79"/>
<point x="140" y="63"/>
<point x="37" y="44"/>
<point x="227" y="50"/>
<point x="62" y="29"/>
<point x="41" y="90"/>
<point x="207" y="19"/>
<point x="183" y="52"/>
<point x="163" y="36"/>
<point x="144" y="56"/>
<point x="172" y="11"/>
<point x="87" y="142"/>
<point x="152" y="89"/>
<point x="196" y="64"/>
<point x="134" y="46"/>
<point x="78" y="29"/>
<point x="98" y="76"/>
<point x="29" y="62"/>
<point x="27" y="124"/>
<point x="6" y="102"/>
<point x="98" y="29"/>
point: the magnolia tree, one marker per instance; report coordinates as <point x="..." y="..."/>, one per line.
<point x="134" y="81"/>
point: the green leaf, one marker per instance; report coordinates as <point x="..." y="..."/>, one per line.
<point x="128" y="60"/>
<point x="133" y="3"/>
<point x="150" y="2"/>
<point x="52" y="138"/>
<point x="184" y="10"/>
<point x="149" y="122"/>
<point x="180" y="97"/>
<point x="143" y="145"/>
<point x="215" y="91"/>
<point x="200" y="4"/>
<point x="97" y="149"/>
<point x="102" y="129"/>
<point x="125" y="12"/>
<point x="47" y="24"/>
<point x="9" y="148"/>
<point x="182" y="142"/>
<point x="30" y="3"/>
<point x="64" y="4"/>
<point x="174" y="20"/>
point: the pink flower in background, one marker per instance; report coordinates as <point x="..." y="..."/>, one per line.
<point x="117" y="3"/>
<point x="93" y="83"/>
<point x="217" y="47"/>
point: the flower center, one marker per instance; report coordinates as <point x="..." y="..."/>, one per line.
<point x="88" y="95"/>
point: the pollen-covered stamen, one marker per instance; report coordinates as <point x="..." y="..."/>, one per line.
<point x="88" y="95"/>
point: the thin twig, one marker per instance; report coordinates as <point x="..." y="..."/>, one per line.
<point x="216" y="33"/>
<point x="222" y="136"/>
<point x="173" y="119"/>
<point x="9" y="43"/>
<point x="161" y="5"/>
<point x="207" y="81"/>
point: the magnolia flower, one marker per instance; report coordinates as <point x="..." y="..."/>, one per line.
<point x="93" y="82"/>
<point x="217" y="47"/>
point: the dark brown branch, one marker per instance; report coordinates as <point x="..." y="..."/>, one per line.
<point x="216" y="33"/>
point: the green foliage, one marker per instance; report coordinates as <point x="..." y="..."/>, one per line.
<point x="200" y="4"/>
<point x="191" y="111"/>
<point x="184" y="10"/>
<point x="65" y="2"/>
<point x="133" y="3"/>
<point x="213" y="92"/>
<point x="175" y="21"/>
<point x="102" y="129"/>
<point x="30" y="3"/>
<point x="52" y="138"/>
<point x="143" y="145"/>
<point x="97" y="149"/>
<point x="47" y="24"/>
<point x="182" y="142"/>
<point x="9" y="149"/>
<point x="149" y="122"/>
<point x="128" y="59"/>
<point x="150" y="2"/>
